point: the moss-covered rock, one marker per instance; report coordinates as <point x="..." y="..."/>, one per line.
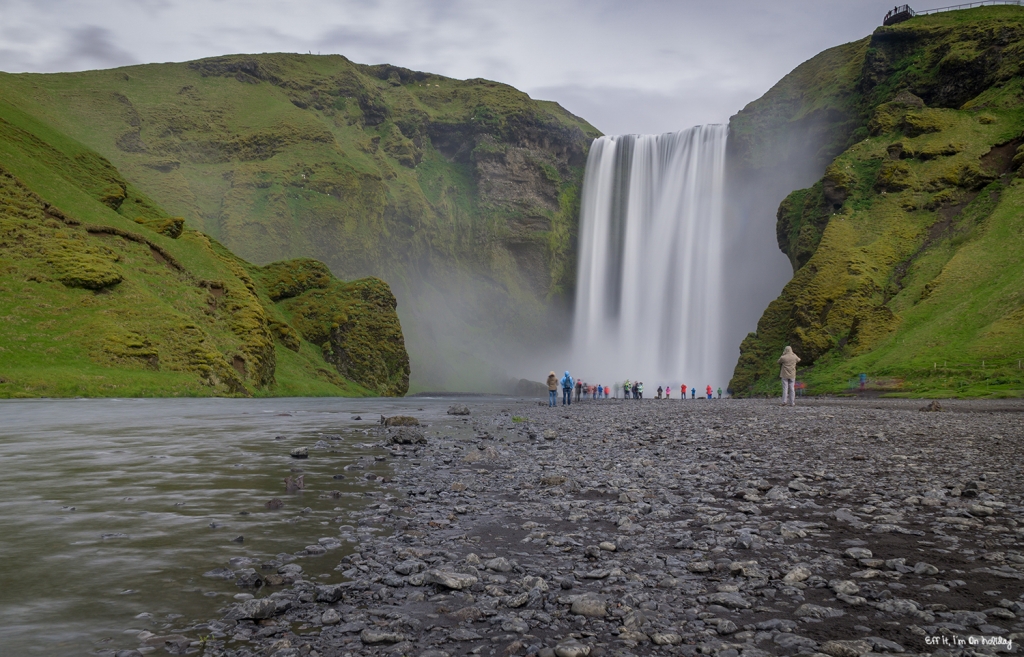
<point x="895" y="177"/>
<point x="291" y="278"/>
<point x="167" y="226"/>
<point x="84" y="270"/>
<point x="286" y="335"/>
<point x="358" y="331"/>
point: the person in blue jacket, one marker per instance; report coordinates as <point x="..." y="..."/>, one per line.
<point x="567" y="385"/>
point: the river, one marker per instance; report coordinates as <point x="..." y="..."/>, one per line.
<point x="113" y="509"/>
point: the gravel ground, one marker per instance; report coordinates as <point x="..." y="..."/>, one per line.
<point x="725" y="527"/>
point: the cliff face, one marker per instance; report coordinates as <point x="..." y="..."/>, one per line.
<point x="104" y="293"/>
<point x="907" y="252"/>
<point x="463" y="195"/>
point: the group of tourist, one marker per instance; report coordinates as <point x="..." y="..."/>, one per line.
<point x="569" y="385"/>
<point x="635" y="389"/>
<point x="631" y="390"/>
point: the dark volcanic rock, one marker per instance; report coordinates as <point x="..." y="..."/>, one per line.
<point x="640" y="530"/>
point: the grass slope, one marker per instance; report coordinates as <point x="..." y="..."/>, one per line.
<point x="445" y="188"/>
<point x="907" y="253"/>
<point x="104" y="294"/>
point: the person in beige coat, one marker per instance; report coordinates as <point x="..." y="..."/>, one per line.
<point x="552" y="389"/>
<point x="788" y="361"/>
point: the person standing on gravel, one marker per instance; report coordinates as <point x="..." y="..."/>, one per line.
<point x="719" y="392"/>
<point x="567" y="389"/>
<point x="552" y="389"/>
<point x="709" y="391"/>
<point x="683" y="388"/>
<point x="579" y="389"/>
<point x="787" y="373"/>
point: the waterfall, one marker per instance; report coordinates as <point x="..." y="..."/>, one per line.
<point x="649" y="285"/>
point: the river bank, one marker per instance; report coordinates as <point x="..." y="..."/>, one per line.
<point x="730" y="527"/>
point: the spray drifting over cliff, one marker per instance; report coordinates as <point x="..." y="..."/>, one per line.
<point x="649" y="291"/>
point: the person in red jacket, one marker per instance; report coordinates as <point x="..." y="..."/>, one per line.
<point x="683" y="388"/>
<point x="709" y="391"/>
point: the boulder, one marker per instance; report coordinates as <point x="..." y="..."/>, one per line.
<point x="399" y="421"/>
<point x="589" y="607"/>
<point x="255" y="609"/>
<point x="405" y="436"/>
<point x="449" y="580"/>
<point x="369" y="636"/>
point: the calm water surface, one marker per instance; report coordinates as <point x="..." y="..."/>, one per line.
<point x="112" y="510"/>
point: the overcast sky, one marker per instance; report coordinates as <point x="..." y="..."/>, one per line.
<point x="624" y="65"/>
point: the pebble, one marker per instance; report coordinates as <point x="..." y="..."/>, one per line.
<point x="725" y="528"/>
<point x="591" y="607"/>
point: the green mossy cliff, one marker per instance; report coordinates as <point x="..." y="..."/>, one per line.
<point x="907" y="253"/>
<point x="463" y="195"/>
<point x="103" y="293"/>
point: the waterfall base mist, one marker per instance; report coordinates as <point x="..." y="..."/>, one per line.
<point x="649" y="295"/>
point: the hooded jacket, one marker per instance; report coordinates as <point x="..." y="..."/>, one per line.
<point x="788" y="360"/>
<point x="567" y="380"/>
<point x="552" y="381"/>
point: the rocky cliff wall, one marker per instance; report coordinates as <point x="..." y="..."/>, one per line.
<point x="918" y="129"/>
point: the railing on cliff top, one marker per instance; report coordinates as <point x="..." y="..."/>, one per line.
<point x="898" y="15"/>
<point x="904" y="12"/>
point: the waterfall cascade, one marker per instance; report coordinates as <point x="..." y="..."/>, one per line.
<point x="649" y="286"/>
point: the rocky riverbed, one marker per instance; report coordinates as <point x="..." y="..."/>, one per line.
<point x="726" y="527"/>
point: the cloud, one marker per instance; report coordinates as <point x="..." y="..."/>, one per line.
<point x="624" y="65"/>
<point x="89" y="47"/>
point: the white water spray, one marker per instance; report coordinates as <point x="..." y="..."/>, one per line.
<point x="649" y="287"/>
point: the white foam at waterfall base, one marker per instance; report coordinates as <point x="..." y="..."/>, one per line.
<point x="649" y="292"/>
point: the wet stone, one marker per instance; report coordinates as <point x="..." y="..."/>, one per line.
<point x="733" y="529"/>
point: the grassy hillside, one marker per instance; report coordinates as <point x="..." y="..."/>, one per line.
<point x="103" y="293"/>
<point x="907" y="254"/>
<point x="462" y="195"/>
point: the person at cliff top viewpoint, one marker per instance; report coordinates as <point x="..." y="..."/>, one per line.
<point x="787" y="373"/>
<point x="567" y="389"/>
<point x="552" y="388"/>
<point x="709" y="391"/>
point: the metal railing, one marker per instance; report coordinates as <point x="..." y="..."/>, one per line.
<point x="898" y="14"/>
<point x="969" y="5"/>
<point x="904" y="12"/>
